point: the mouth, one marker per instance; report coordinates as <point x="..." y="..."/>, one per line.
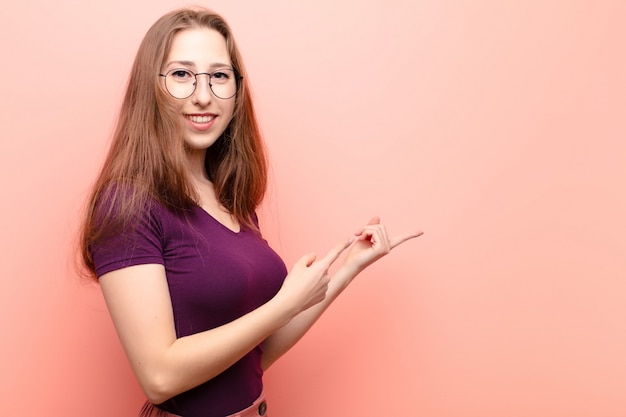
<point x="200" y="122"/>
<point x="200" y="118"/>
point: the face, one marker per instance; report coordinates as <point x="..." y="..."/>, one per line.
<point x="201" y="50"/>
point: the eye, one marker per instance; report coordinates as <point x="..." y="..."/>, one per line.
<point x="222" y="76"/>
<point x="181" y="75"/>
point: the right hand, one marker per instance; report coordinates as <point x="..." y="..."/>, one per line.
<point x="307" y="282"/>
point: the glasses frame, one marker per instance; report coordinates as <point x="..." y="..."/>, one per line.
<point x="238" y="79"/>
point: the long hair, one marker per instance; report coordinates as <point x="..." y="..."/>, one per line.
<point x="146" y="160"/>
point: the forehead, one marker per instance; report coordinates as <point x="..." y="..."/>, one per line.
<point x="202" y="46"/>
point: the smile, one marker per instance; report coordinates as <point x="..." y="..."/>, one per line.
<point x="200" y="118"/>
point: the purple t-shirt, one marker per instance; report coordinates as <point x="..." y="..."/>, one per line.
<point x="214" y="276"/>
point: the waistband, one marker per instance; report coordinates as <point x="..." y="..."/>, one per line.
<point x="257" y="409"/>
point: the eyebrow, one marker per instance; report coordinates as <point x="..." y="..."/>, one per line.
<point x="192" y="64"/>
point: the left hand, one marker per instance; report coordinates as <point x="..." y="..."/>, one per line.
<point x="372" y="243"/>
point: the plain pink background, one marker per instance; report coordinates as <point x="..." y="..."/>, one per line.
<point x="498" y="127"/>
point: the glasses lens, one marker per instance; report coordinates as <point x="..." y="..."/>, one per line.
<point x="224" y="83"/>
<point x="180" y="83"/>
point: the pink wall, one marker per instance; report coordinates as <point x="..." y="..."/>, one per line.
<point x="496" y="126"/>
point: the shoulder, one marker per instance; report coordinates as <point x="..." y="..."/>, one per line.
<point x="127" y="202"/>
<point x="126" y="213"/>
<point x="131" y="229"/>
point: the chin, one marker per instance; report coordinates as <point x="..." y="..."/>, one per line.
<point x="194" y="142"/>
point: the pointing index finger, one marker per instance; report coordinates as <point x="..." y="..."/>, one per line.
<point x="403" y="238"/>
<point x="335" y="252"/>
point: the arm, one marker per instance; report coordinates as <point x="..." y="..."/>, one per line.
<point x="140" y="306"/>
<point x="371" y="243"/>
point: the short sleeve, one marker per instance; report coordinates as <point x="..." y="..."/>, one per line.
<point x="138" y="243"/>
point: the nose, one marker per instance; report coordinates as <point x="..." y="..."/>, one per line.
<point x="203" y="94"/>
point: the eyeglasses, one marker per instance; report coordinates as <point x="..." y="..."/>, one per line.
<point x="181" y="83"/>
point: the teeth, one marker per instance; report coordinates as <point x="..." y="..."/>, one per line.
<point x="200" y="119"/>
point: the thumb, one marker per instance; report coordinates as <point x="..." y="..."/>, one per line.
<point x="306" y="260"/>
<point x="374" y="220"/>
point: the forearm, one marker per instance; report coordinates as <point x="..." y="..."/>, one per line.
<point x="279" y="342"/>
<point x="192" y="360"/>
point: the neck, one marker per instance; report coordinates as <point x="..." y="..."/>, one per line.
<point x="195" y="165"/>
<point x="208" y="200"/>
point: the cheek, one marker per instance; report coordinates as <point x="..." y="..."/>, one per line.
<point x="231" y="107"/>
<point x="229" y="111"/>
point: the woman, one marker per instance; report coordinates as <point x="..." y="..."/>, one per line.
<point x="200" y="302"/>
